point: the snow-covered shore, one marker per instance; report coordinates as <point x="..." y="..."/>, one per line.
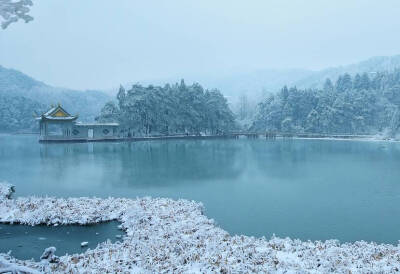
<point x="387" y="140"/>
<point x="164" y="235"/>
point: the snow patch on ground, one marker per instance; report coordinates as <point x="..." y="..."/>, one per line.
<point x="164" y="235"/>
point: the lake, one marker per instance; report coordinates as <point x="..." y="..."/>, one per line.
<point x="306" y="189"/>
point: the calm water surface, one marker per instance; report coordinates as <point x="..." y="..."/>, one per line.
<point x="306" y="189"/>
<point x="29" y="242"/>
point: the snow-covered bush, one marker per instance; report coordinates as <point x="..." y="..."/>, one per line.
<point x="164" y="235"/>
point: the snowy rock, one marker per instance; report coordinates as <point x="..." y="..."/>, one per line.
<point x="6" y="190"/>
<point x="49" y="255"/>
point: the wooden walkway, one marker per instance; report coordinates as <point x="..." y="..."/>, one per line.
<point x="254" y="135"/>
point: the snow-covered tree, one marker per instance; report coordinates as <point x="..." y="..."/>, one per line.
<point x="328" y="86"/>
<point x="13" y="10"/>
<point x="344" y="82"/>
<point x="170" y="109"/>
<point x="357" y="82"/>
<point x="362" y="106"/>
<point x="365" y="82"/>
<point x="109" y="113"/>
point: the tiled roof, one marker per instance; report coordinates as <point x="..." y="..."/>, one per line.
<point x="50" y="111"/>
<point x="57" y="114"/>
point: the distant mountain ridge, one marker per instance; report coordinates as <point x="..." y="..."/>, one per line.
<point x="251" y="83"/>
<point x="29" y="95"/>
<point x="370" y="66"/>
<point x="258" y="82"/>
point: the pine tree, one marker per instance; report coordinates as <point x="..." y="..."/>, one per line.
<point x="284" y="93"/>
<point x="347" y="83"/>
<point x="365" y="82"/>
<point x="121" y="96"/>
<point x="357" y="84"/>
<point x="328" y="86"/>
<point x="344" y="83"/>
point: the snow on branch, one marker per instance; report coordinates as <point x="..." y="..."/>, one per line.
<point x="9" y="267"/>
<point x="11" y="11"/>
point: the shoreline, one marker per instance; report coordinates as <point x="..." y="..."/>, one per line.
<point x="165" y="235"/>
<point x="348" y="139"/>
<point x="334" y="137"/>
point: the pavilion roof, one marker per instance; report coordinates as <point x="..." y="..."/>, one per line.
<point x="57" y="113"/>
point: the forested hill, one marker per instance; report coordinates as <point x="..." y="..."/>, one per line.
<point x="21" y="96"/>
<point x="352" y="105"/>
<point x="172" y="109"/>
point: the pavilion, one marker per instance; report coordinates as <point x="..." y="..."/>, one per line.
<point x="58" y="125"/>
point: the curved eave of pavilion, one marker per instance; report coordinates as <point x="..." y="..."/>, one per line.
<point x="63" y="119"/>
<point x="97" y="124"/>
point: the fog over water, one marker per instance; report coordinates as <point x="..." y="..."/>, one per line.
<point x="99" y="44"/>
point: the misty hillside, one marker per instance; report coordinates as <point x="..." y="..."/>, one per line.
<point x="257" y="83"/>
<point x="21" y="96"/>
<point x="370" y="66"/>
<point x="252" y="83"/>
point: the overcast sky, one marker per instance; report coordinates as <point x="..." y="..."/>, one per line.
<point x="90" y="44"/>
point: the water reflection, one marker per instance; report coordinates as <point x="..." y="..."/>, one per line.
<point x="308" y="189"/>
<point x="142" y="163"/>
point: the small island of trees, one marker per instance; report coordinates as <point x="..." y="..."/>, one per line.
<point x="169" y="110"/>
